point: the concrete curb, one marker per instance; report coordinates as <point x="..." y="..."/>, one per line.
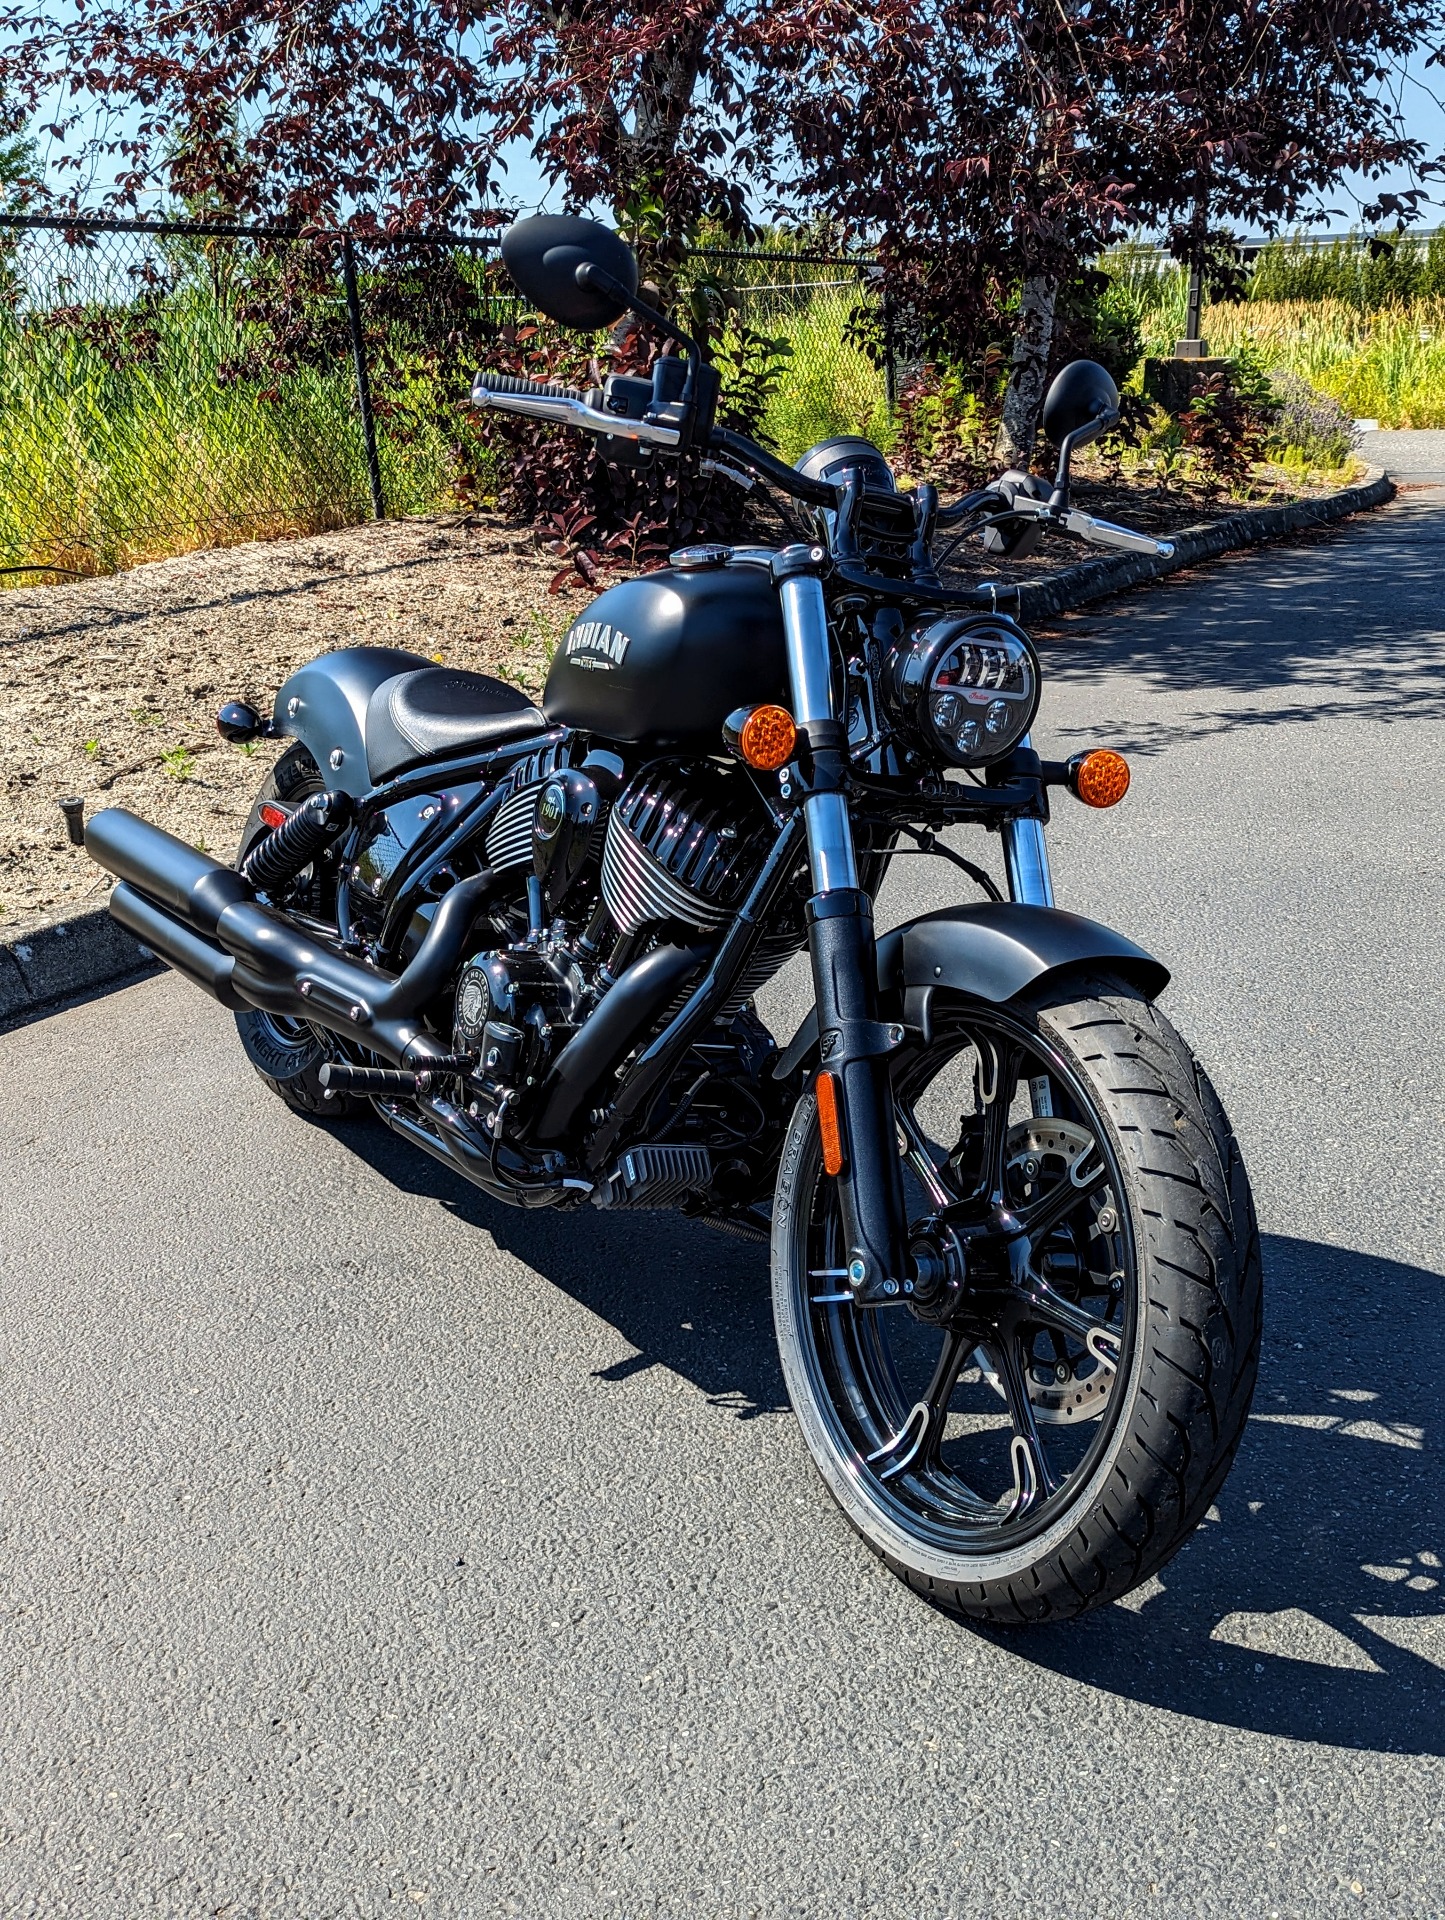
<point x="54" y="962"/>
<point x="63" y="958"/>
<point x="1251" y="527"/>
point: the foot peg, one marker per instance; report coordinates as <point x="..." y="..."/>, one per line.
<point x="386" y="1083"/>
<point x="654" y="1177"/>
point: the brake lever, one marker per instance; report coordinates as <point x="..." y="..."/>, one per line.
<point x="1105" y="533"/>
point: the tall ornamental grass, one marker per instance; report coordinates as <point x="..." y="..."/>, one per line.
<point x="111" y="454"/>
<point x="829" y="384"/>
<point x="1387" y="365"/>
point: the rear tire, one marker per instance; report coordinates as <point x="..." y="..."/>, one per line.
<point x="289" y="1054"/>
<point x="1137" y="1450"/>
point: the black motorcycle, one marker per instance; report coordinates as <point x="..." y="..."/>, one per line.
<point x="1015" y="1266"/>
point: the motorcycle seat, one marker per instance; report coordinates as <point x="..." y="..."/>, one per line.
<point x="434" y="711"/>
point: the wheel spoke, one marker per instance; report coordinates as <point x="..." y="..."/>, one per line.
<point x="917" y="1441"/>
<point x="1032" y="1479"/>
<point x="1048" y="1306"/>
<point x="1085" y="1176"/>
<point x="998" y="1078"/>
<point x="920" y="1156"/>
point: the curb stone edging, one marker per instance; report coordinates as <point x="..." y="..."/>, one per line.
<point x="62" y="958"/>
<point x="1252" y="526"/>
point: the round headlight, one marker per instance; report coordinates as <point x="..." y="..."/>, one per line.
<point x="967" y="688"/>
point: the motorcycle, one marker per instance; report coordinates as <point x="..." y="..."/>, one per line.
<point x="1015" y="1266"/>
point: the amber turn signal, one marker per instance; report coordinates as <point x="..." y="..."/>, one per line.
<point x="765" y="737"/>
<point x="828" y="1124"/>
<point x="1100" y="778"/>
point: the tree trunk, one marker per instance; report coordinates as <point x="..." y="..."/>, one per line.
<point x="1024" y="395"/>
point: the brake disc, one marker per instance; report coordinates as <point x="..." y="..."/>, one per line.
<point x="1039" y="1153"/>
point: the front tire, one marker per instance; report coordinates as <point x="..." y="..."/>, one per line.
<point x="1123" y="1323"/>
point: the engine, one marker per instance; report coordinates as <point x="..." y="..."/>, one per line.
<point x="679" y="847"/>
<point x="668" y="862"/>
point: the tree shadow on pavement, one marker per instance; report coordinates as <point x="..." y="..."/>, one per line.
<point x="1313" y="1606"/>
<point x="1310" y="1604"/>
<point x="1279" y="635"/>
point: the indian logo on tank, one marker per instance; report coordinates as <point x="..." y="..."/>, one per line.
<point x="595" y="644"/>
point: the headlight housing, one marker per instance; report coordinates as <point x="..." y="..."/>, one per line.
<point x="966" y="688"/>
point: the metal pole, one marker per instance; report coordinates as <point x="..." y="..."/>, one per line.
<point x="363" y="382"/>
<point x="1196" y="298"/>
<point x="890" y="358"/>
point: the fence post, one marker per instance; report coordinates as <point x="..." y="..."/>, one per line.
<point x="363" y="381"/>
<point x="890" y="362"/>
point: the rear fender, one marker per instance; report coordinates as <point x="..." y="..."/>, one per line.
<point x="993" y="950"/>
<point x="323" y="705"/>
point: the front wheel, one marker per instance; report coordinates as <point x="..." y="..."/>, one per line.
<point x="1043" y="1420"/>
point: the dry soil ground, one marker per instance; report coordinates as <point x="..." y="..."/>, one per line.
<point x="110" y="686"/>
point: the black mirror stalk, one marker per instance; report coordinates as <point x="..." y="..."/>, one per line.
<point x="1081" y="436"/>
<point x="590" y="275"/>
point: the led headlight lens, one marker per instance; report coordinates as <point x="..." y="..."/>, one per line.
<point x="969" y="688"/>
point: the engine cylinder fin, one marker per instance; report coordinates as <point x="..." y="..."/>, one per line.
<point x="509" y="838"/>
<point x="680" y="846"/>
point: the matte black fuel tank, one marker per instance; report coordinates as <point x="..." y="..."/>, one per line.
<point x="663" y="660"/>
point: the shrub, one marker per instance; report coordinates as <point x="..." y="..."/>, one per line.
<point x="1223" y="431"/>
<point x="942" y="431"/>
<point x="1309" y="429"/>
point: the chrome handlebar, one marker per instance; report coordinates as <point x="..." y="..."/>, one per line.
<point x="571" y="410"/>
<point x="567" y="411"/>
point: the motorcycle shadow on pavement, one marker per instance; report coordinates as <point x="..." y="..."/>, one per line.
<point x="1311" y="1604"/>
<point x="687" y="1297"/>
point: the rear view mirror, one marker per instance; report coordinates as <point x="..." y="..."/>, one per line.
<point x="1081" y="404"/>
<point x="543" y="256"/>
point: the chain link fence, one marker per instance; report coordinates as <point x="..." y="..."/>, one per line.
<point x="169" y="385"/>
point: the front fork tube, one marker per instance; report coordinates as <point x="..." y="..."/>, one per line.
<point x="854" y="1044"/>
<point x="854" y="1049"/>
<point x="1026" y="860"/>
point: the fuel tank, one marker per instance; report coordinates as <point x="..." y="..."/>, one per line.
<point x="662" y="661"/>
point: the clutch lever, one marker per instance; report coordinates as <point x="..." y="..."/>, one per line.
<point x="540" y="401"/>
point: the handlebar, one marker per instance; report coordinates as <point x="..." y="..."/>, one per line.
<point x="549" y="400"/>
<point x="546" y="400"/>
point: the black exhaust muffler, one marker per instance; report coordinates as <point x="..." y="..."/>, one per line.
<point x="203" y="964"/>
<point x="205" y="921"/>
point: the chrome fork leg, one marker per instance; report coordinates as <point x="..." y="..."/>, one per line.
<point x="810" y="672"/>
<point x="1026" y="860"/>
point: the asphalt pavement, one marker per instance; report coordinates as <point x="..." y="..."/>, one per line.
<point x="369" y="1548"/>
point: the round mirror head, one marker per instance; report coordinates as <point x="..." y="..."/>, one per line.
<point x="543" y="254"/>
<point x="1083" y="395"/>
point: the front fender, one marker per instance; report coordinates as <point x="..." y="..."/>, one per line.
<point x="994" y="950"/>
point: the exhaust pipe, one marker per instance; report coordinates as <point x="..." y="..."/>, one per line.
<point x="205" y="921"/>
<point x="189" y="953"/>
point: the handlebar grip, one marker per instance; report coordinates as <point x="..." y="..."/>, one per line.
<point x="517" y="383"/>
